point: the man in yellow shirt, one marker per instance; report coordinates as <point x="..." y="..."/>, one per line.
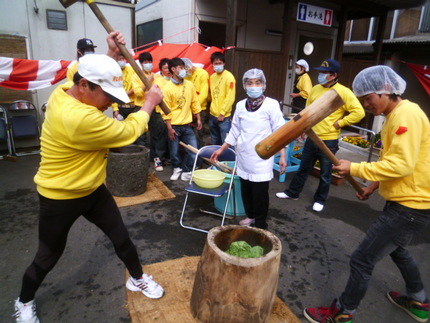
<point x="200" y="78"/>
<point x="125" y="109"/>
<point x="157" y="128"/>
<point x="181" y="97"/>
<point x="75" y="139"/>
<point x="402" y="176"/>
<point x="328" y="130"/>
<point x="223" y="93"/>
<point x="84" y="47"/>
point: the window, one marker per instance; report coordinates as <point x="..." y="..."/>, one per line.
<point x="149" y="32"/>
<point x="57" y="19"/>
<point x="407" y="22"/>
<point x="425" y="19"/>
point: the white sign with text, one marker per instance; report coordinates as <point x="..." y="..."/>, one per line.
<point x="314" y="14"/>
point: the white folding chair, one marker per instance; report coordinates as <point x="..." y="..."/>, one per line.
<point x="227" y="187"/>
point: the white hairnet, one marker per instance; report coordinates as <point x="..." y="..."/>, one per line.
<point x="188" y="63"/>
<point x="254" y="73"/>
<point x="303" y="63"/>
<point x="379" y="79"/>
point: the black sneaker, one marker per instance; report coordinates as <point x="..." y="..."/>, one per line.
<point x="419" y="311"/>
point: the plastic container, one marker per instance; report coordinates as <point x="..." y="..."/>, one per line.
<point x="208" y="178"/>
<point x="236" y="194"/>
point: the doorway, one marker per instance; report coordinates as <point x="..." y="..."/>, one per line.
<point x="314" y="49"/>
<point x="213" y="34"/>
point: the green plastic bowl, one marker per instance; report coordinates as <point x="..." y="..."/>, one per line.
<point x="208" y="178"/>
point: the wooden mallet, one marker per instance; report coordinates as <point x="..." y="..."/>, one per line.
<point x="122" y="48"/>
<point x="303" y="122"/>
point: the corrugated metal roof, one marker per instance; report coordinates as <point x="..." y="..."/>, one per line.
<point x="410" y="40"/>
<point x="358" y="48"/>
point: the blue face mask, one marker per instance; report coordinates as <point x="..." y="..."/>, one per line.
<point x="166" y="77"/>
<point x="322" y="78"/>
<point x="254" y="92"/>
<point x="148" y="67"/>
<point x="219" y="68"/>
<point x="182" y="74"/>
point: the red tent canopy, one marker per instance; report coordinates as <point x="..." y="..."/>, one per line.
<point x="197" y="53"/>
<point x="422" y="72"/>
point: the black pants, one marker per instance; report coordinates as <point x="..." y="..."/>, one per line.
<point x="55" y="220"/>
<point x="255" y="197"/>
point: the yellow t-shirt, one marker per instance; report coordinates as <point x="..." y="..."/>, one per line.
<point x="127" y="75"/>
<point x="223" y="93"/>
<point x="182" y="101"/>
<point x="325" y="129"/>
<point x="139" y="88"/>
<point x="74" y="145"/>
<point x="161" y="81"/>
<point x="304" y="85"/>
<point x="200" y="79"/>
<point x="403" y="166"/>
<point x="71" y="71"/>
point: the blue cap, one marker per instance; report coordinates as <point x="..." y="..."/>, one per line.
<point x="329" y="65"/>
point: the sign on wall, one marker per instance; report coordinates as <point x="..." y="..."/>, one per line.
<point x="314" y="14"/>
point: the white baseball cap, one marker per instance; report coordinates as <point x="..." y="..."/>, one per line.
<point x="302" y="62"/>
<point x="104" y="71"/>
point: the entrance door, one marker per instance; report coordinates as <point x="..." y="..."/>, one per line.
<point x="314" y="50"/>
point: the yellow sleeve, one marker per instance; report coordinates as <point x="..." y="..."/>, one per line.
<point x="400" y="153"/>
<point x="138" y="88"/>
<point x="230" y="95"/>
<point x="304" y="85"/>
<point x="202" y="89"/>
<point x="169" y="98"/>
<point x="353" y="106"/>
<point x="195" y="103"/>
<point x="71" y="71"/>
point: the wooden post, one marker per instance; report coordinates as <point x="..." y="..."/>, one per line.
<point x="230" y="31"/>
<point x="233" y="289"/>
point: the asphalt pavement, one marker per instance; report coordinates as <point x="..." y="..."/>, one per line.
<point x="87" y="285"/>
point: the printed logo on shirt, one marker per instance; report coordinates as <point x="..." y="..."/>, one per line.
<point x="401" y="130"/>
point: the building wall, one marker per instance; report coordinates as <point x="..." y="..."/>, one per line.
<point x="178" y="16"/>
<point x="254" y="17"/>
<point x="19" y="18"/>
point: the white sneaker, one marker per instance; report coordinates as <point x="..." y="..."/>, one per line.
<point x="282" y="195"/>
<point x="317" y="207"/>
<point x="25" y="313"/>
<point x="186" y="176"/>
<point x="176" y="173"/>
<point x="158" y="165"/>
<point x="146" y="285"/>
<point x="247" y="222"/>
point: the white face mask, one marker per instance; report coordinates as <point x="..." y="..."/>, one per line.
<point x="219" y="68"/>
<point x="148" y="67"/>
<point x="182" y="74"/>
<point x="122" y="64"/>
<point x="88" y="52"/>
<point x="298" y="71"/>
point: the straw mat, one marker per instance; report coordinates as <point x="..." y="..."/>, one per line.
<point x="155" y="191"/>
<point x="177" y="278"/>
